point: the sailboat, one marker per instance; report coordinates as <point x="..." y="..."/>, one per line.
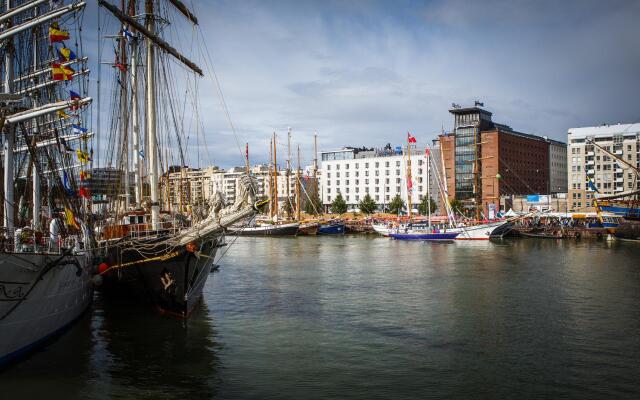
<point x="162" y="257"/>
<point x="623" y="204"/>
<point x="419" y="232"/>
<point x="46" y="241"/>
<point x="274" y="226"/>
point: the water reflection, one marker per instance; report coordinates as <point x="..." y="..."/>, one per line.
<point x="160" y="357"/>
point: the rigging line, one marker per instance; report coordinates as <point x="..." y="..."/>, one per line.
<point x="209" y="64"/>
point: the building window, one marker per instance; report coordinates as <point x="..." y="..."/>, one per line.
<point x="346" y="166"/>
<point x="337" y="174"/>
<point x="377" y="181"/>
<point x="366" y="165"/>
<point x="357" y="173"/>
<point x="397" y="180"/>
<point x="357" y="190"/>
<point x="366" y="173"/>
<point x="328" y="167"/>
<point x="397" y="172"/>
<point x="386" y="164"/>
<point x="328" y="190"/>
<point x="357" y="198"/>
<point x="357" y="166"/>
<point x="338" y="166"/>
<point x="328" y="175"/>
<point x="357" y="181"/>
<point x="398" y="189"/>
<point x="347" y="174"/>
<point x="397" y="163"/>
<point x="366" y="181"/>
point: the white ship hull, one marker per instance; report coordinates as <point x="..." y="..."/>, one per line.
<point x="381" y="229"/>
<point x="477" y="232"/>
<point x="40" y="295"/>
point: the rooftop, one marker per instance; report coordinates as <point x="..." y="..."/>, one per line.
<point x="605" y="130"/>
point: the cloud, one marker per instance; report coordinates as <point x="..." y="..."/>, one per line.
<point x="366" y="72"/>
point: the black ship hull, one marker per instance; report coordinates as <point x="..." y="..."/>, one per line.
<point x="267" y="230"/>
<point x="171" y="279"/>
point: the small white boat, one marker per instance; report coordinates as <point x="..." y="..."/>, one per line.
<point x="381" y="229"/>
<point x="481" y="231"/>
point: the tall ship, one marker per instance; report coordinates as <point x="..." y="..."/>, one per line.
<point x="46" y="239"/>
<point x="624" y="206"/>
<point x="152" y="251"/>
<point x="275" y="225"/>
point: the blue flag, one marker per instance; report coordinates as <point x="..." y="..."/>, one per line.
<point x="67" y="184"/>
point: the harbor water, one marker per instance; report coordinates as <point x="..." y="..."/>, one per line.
<point x="363" y="317"/>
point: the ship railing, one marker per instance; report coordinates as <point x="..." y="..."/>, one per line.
<point x="138" y="231"/>
<point x="35" y="242"/>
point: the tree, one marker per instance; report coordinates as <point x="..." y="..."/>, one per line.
<point x="313" y="205"/>
<point x="287" y="207"/>
<point x="422" y="207"/>
<point x="456" y="206"/>
<point x="339" y="206"/>
<point x="396" y="205"/>
<point x="367" y="205"/>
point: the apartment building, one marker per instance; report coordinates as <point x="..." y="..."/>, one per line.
<point x="589" y="163"/>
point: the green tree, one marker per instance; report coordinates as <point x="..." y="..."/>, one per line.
<point x="339" y="206"/>
<point x="422" y="207"/>
<point x="396" y="205"/>
<point x="367" y="205"/>
<point x="287" y="207"/>
<point x="456" y="206"/>
<point x="313" y="205"/>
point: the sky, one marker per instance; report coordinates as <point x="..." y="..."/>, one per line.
<point x="363" y="73"/>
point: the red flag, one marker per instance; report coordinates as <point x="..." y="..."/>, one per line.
<point x="410" y="138"/>
<point x="121" y="67"/>
<point x="84" y="192"/>
<point x="427" y="152"/>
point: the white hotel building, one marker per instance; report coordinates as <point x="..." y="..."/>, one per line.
<point x="586" y="161"/>
<point x="381" y="173"/>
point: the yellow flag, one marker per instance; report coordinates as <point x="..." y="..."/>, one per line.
<point x="71" y="219"/>
<point x="62" y="114"/>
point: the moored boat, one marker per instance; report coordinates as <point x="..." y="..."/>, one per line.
<point x="45" y="275"/>
<point x="309" y="228"/>
<point x="424" y="235"/>
<point x="286" y="229"/>
<point x="332" y="228"/>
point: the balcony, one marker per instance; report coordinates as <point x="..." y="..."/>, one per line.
<point x="619" y="180"/>
<point x="590" y="153"/>
<point x="618" y="170"/>
<point x="619" y="189"/>
<point x="590" y="162"/>
<point x="590" y="172"/>
<point x="618" y="152"/>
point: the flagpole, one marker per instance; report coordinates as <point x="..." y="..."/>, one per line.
<point x="409" y="183"/>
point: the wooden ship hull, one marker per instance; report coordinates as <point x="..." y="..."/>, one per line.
<point x="169" y="278"/>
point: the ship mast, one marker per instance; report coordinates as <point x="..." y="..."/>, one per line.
<point x="124" y="111"/>
<point x="298" y="202"/>
<point x="409" y="183"/>
<point x="9" y="139"/>
<point x="288" y="169"/>
<point x="429" y="187"/>
<point x="135" y="122"/>
<point x="275" y="178"/>
<point x="151" y="118"/>
<point x="35" y="175"/>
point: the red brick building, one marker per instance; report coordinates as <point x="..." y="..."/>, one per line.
<point x="484" y="160"/>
